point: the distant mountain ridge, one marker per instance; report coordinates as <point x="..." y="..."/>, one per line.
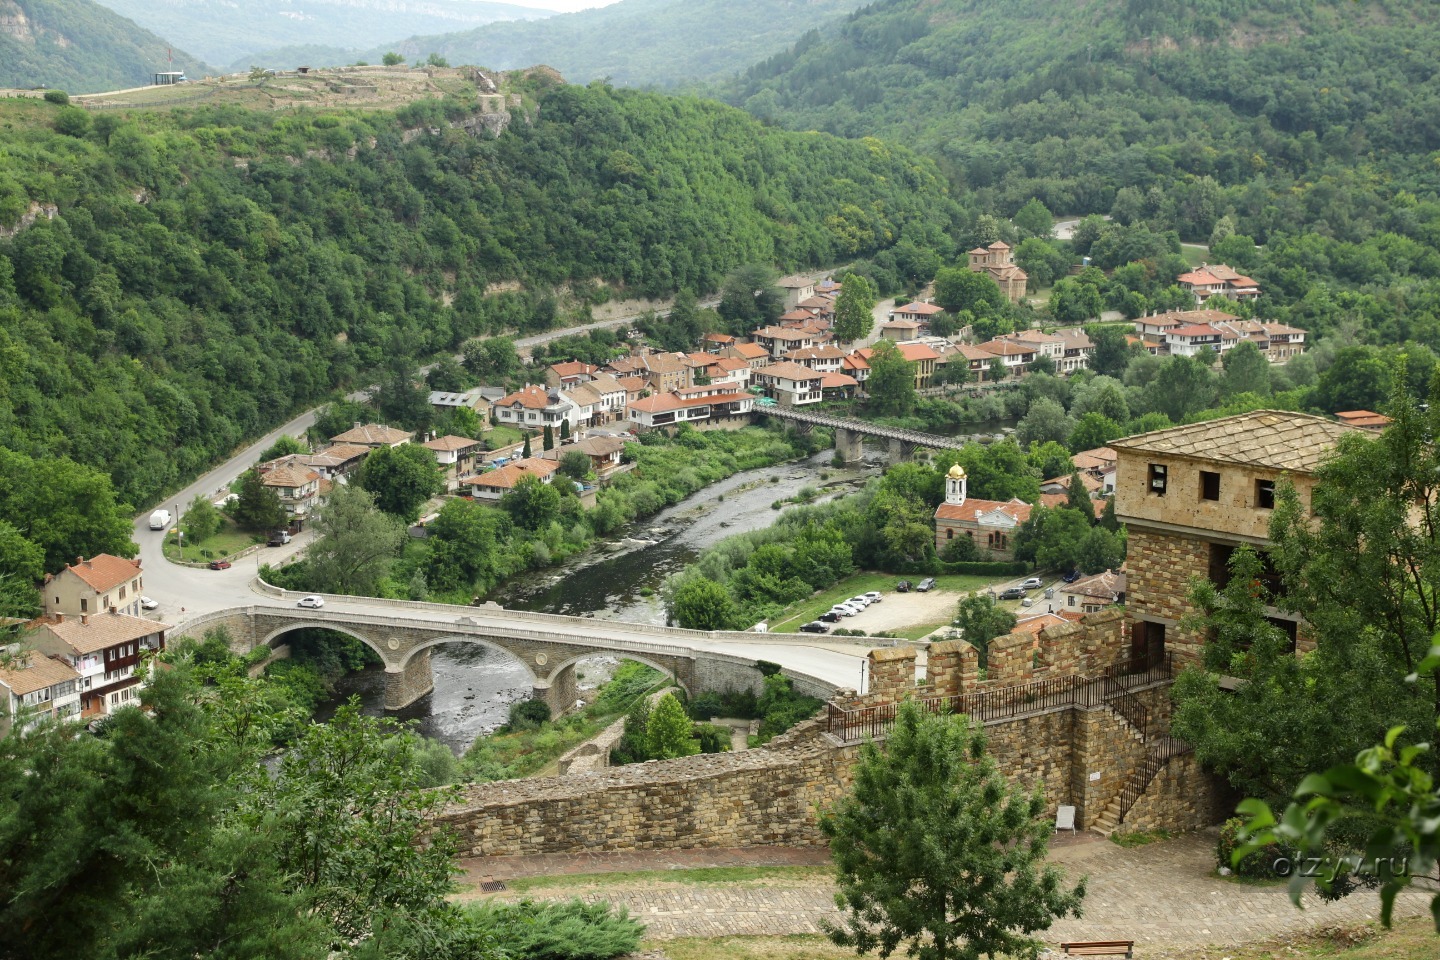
<point x="231" y="31"/>
<point x="632" y="43"/>
<point x="79" y="46"/>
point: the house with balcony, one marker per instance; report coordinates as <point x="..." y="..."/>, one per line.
<point x="455" y="456"/>
<point x="1076" y="349"/>
<point x="826" y="359"/>
<point x="710" y="403"/>
<point x="1218" y="280"/>
<point x="374" y="435"/>
<point x="1198" y="339"/>
<point x="103" y="583"/>
<point x="778" y="341"/>
<point x="534" y="407"/>
<point x="104" y="649"/>
<point x="755" y="355"/>
<point x="918" y="313"/>
<point x="604" y="454"/>
<point x="612" y="396"/>
<point x="297" y="486"/>
<point x="796" y="288"/>
<point x="790" y="384"/>
<point x="35" y="688"/>
<point x="1015" y="356"/>
<point x="572" y="373"/>
<point x="335" y="462"/>
<point x="920" y="356"/>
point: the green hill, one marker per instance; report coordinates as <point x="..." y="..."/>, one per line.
<point x="638" y="42"/>
<point x="79" y="46"/>
<point x="226" y="31"/>
<point x="214" y="269"/>
<point x="1071" y="102"/>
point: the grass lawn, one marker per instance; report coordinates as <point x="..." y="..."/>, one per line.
<point x="709" y="875"/>
<point x="1194" y="253"/>
<point x="501" y="435"/>
<point x="806" y="610"/>
<point x="229" y="540"/>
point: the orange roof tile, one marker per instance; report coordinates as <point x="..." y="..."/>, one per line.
<point x="104" y="571"/>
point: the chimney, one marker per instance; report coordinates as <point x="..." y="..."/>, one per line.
<point x="59" y="618"/>
<point x="114" y="609"/>
<point x="79" y="561"/>
<point x="85" y="619"/>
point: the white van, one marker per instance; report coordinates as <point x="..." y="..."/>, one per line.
<point x="160" y="520"/>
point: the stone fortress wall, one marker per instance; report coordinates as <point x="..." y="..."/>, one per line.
<point x="1084" y="752"/>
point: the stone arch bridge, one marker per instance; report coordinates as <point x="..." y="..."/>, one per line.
<point x="404" y="633"/>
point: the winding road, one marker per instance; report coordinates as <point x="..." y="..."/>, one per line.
<point x="187" y="592"/>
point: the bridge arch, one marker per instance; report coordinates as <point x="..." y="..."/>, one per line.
<point x="278" y="632"/>
<point x="433" y="642"/>
<point x="569" y="664"/>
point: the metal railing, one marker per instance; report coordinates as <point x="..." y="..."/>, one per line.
<point x="1115" y="687"/>
<point x="1161" y="752"/>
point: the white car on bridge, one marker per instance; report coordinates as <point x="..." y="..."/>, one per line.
<point x="313" y="602"/>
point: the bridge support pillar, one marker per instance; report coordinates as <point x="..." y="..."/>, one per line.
<point x="404" y="687"/>
<point x="848" y="445"/>
<point x="901" y="450"/>
<point x="559" y="694"/>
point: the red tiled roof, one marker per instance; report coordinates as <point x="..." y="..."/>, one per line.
<point x="752" y="350"/>
<point x="832" y="381"/>
<point x="35" y="673"/>
<point x="925" y="309"/>
<point x="970" y="510"/>
<point x="450" y="442"/>
<point x="372" y="434"/>
<point x="531" y="397"/>
<point x="288" y="476"/>
<point x="506" y="477"/>
<point x="98" y="631"/>
<point x="787" y="371"/>
<point x="104" y="571"/>
<point x="573" y="368"/>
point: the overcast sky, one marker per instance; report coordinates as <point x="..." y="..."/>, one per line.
<point x="563" y="6"/>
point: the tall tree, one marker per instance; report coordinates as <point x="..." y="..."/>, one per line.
<point x="402" y="479"/>
<point x="532" y="504"/>
<point x="980" y="619"/>
<point x="257" y="507"/>
<point x="891" y="386"/>
<point x="354" y="545"/>
<point x="547" y="439"/>
<point x="202" y="519"/>
<point x="854" y="318"/>
<point x="492" y="360"/>
<point x="668" y="731"/>
<point x="1112" y="351"/>
<point x="1035" y="219"/>
<point x="934" y="850"/>
<point x="699" y="603"/>
<point x="66" y="509"/>
<point x="959" y="288"/>
<point x="1046" y="421"/>
<point x="1246" y="371"/>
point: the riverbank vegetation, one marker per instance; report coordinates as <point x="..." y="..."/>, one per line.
<point x="758" y="576"/>
<point x="472" y="547"/>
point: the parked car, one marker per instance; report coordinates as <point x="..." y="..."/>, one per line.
<point x="1012" y="593"/>
<point x="926" y="585"/>
<point x="315" y="603"/>
<point x="903" y="586"/>
<point x="814" y="626"/>
<point x="147" y="604"/>
<point x="861" y="602"/>
<point x="1032" y="583"/>
<point x="831" y="616"/>
<point x="845" y="609"/>
<point x="874" y="596"/>
<point x="279" y="538"/>
<point x="1027" y="602"/>
<point x="219" y="564"/>
<point x="1071" y="577"/>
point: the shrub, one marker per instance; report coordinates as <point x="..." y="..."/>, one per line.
<point x="1259" y="865"/>
<point x="528" y="714"/>
<point x="557" y="931"/>
<point x="57" y="96"/>
<point x="713" y="737"/>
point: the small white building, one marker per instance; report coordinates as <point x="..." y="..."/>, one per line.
<point x="36" y="688"/>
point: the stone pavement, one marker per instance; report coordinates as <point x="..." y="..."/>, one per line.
<point x="1160" y="894"/>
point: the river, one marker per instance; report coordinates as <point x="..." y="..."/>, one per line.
<point x="618" y="579"/>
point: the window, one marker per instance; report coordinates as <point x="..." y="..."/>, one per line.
<point x="1158" y="476"/>
<point x="1265" y="494"/>
<point x="949" y="534"/>
<point x="84" y="604"/>
<point x="1209" y="485"/>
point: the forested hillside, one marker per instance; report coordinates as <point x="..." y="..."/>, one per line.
<point x="1300" y="112"/>
<point x="639" y="42"/>
<point x="211" y="270"/>
<point x="79" y="46"/>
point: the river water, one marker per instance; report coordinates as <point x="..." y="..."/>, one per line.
<point x="618" y="579"/>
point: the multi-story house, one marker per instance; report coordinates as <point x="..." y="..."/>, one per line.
<point x="569" y="374"/>
<point x="754" y="354"/>
<point x="666" y="371"/>
<point x="104" y="649"/>
<point x="104" y="582"/>
<point x="612" y="397"/>
<point x="34" y="688"/>
<point x="1016" y="356"/>
<point x="533" y="408"/>
<point x="1076" y="349"/>
<point x="494" y="484"/>
<point x="1218" y="281"/>
<point x="1092" y="594"/>
<point x="336" y="461"/>
<point x="1189" y="496"/>
<point x="706" y="402"/>
<point x="796" y="288"/>
<point x="790" y="384"/>
<point x="918" y="313"/>
<point x="921" y="356"/>
<point x="297" y="486"/>
<point x="778" y="341"/>
<point x="455" y="457"/>
<point x="826" y="359"/>
<point x="604" y="453"/>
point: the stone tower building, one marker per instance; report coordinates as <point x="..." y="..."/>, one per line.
<point x="1190" y="495"/>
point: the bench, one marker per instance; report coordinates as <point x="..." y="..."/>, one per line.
<point x="1099" y="948"/>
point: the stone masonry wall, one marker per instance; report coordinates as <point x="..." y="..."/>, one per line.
<point x="1182" y="797"/>
<point x="1160" y="569"/>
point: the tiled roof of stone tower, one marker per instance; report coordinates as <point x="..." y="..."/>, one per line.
<point x="1278" y="439"/>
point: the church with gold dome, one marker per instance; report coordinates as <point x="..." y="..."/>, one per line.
<point x="991" y="524"/>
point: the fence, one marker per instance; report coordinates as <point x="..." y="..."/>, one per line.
<point x="1114" y="687"/>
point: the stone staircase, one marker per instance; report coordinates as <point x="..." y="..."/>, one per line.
<point x="1159" y="752"/>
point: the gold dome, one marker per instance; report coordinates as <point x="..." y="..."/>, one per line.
<point x="957" y="472"/>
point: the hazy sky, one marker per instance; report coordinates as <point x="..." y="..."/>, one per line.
<point x="563" y="6"/>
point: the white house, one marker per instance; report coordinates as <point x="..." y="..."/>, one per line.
<point x="791" y="384"/>
<point x="40" y="687"/>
